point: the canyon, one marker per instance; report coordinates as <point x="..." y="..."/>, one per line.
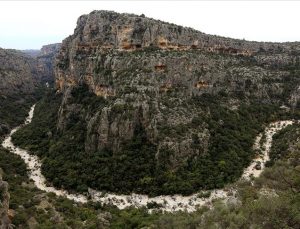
<point x="165" y="82"/>
<point x="138" y="115"/>
<point x="165" y="203"/>
<point x="21" y="73"/>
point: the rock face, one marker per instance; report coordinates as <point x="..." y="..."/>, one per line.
<point x="148" y="70"/>
<point x="50" y="49"/>
<point x="111" y="30"/>
<point x="102" y="35"/>
<point x="45" y="61"/>
<point x="18" y="79"/>
<point x="18" y="72"/>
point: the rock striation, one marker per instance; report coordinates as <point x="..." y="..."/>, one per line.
<point x="148" y="69"/>
<point x="102" y="35"/>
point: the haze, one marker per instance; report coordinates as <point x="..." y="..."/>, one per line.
<point x="29" y="25"/>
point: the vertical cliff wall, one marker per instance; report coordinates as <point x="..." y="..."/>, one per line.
<point x="130" y="59"/>
<point x="144" y="95"/>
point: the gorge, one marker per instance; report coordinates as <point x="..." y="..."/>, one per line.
<point x="166" y="203"/>
<point x="139" y="123"/>
<point x="157" y="105"/>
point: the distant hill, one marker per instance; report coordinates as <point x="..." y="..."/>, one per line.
<point x="32" y="52"/>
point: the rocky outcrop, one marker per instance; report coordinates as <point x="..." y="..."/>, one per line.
<point x="130" y="32"/>
<point x="104" y="31"/>
<point x="148" y="71"/>
<point x="50" y="49"/>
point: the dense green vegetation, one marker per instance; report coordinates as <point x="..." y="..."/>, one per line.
<point x="34" y="208"/>
<point x="277" y="206"/>
<point x="284" y="143"/>
<point x="232" y="136"/>
<point x="14" y="109"/>
<point x="134" y="168"/>
<point x="252" y="209"/>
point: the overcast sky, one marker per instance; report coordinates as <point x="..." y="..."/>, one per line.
<point x="29" y="25"/>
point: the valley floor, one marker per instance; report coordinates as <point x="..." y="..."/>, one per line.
<point x="168" y="203"/>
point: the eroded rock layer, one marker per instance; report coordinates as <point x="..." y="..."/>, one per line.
<point x="157" y="106"/>
<point x="138" y="62"/>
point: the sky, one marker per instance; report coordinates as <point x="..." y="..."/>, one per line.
<point x="32" y="24"/>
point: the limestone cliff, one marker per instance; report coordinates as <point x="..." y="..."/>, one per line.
<point x="45" y="62"/>
<point x="21" y="73"/>
<point x="148" y="70"/>
<point x="18" y="72"/>
<point x="101" y="36"/>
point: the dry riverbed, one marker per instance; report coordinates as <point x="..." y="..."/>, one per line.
<point x="168" y="203"/>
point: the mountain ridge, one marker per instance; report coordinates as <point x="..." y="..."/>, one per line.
<point x="159" y="120"/>
<point x="163" y="118"/>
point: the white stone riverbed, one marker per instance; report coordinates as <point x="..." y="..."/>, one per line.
<point x="170" y="203"/>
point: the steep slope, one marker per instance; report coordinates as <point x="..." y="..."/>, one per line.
<point x="147" y="106"/>
<point x="18" y="80"/>
<point x="45" y="61"/>
<point x="18" y="72"/>
<point x="21" y="77"/>
<point x="21" y="73"/>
